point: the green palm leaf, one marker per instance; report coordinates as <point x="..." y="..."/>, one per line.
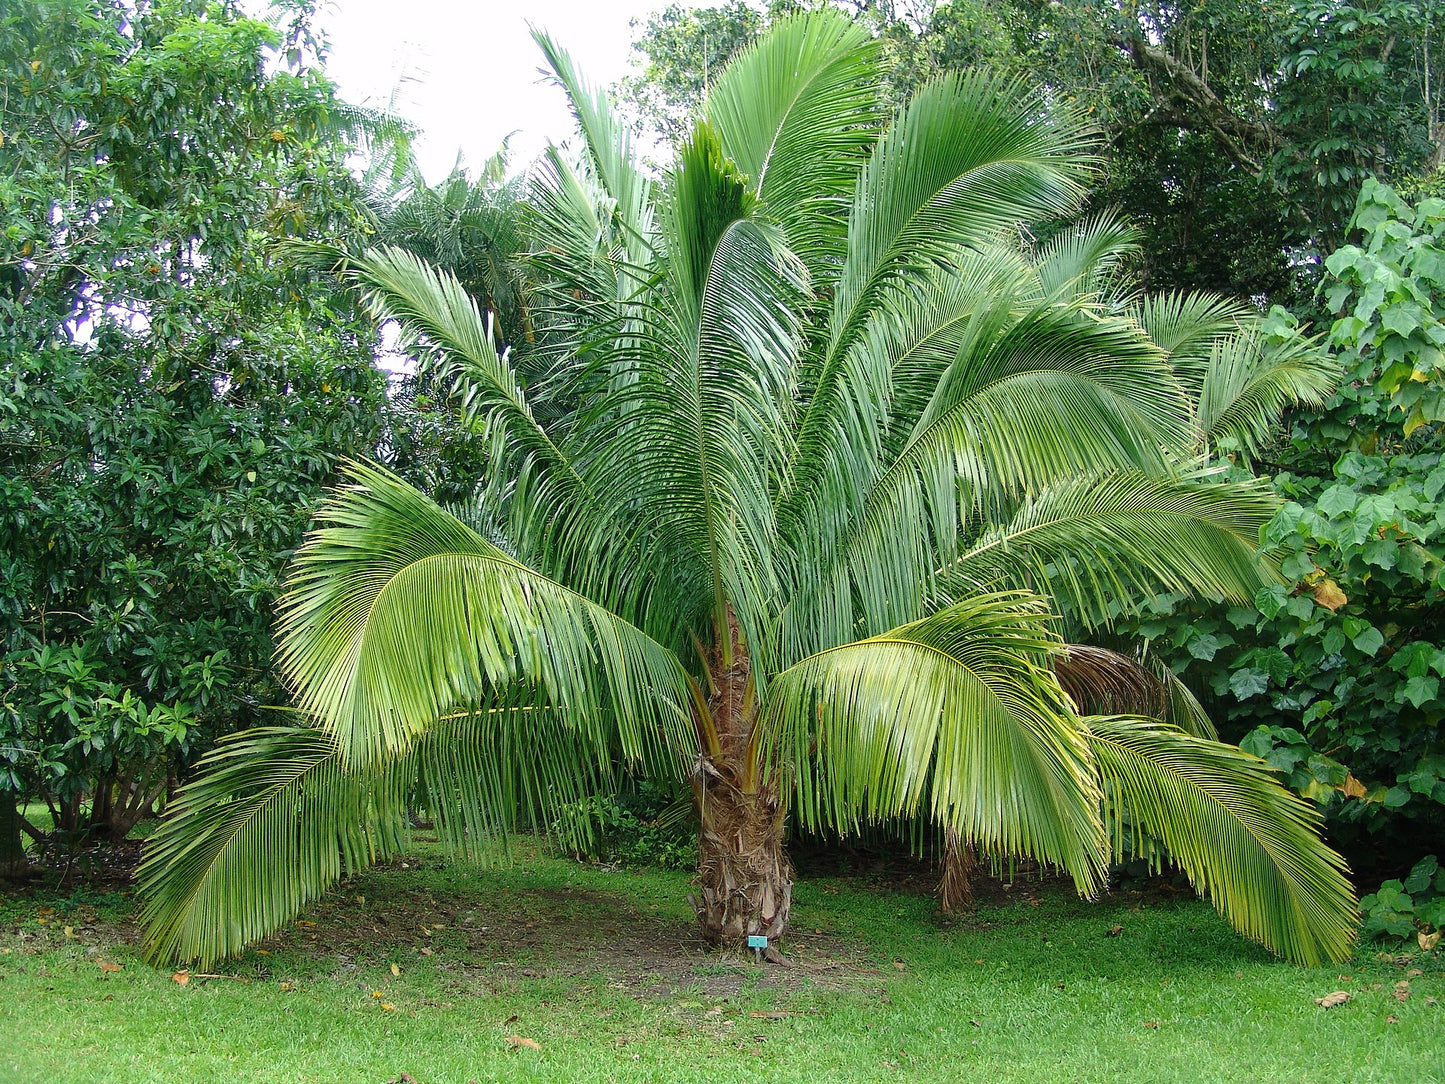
<point x="270" y="823"/>
<point x="397" y="614"/>
<point x="797" y="111"/>
<point x="1244" y="841"/>
<point x="1247" y="385"/>
<point x="608" y="144"/>
<point x="1087" y="260"/>
<point x="1104" y="543"/>
<point x="961" y="707"/>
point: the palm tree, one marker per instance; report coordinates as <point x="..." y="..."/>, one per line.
<point x="842" y="457"/>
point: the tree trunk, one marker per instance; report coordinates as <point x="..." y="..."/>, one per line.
<point x="12" y="851"/>
<point x="744" y="879"/>
<point x="954" y="891"/>
<point x="745" y="882"/>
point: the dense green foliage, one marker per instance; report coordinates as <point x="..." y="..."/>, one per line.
<point x="174" y="399"/>
<point x="1345" y="662"/>
<point x="1237" y="134"/>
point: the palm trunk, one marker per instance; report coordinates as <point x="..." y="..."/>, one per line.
<point x="744" y="879"/>
<point x="954" y="891"/>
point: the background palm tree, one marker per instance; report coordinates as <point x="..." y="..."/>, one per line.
<point x="841" y="458"/>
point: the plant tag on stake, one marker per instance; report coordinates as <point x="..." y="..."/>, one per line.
<point x="757" y="942"/>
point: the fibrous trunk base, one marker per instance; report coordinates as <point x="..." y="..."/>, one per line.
<point x="744" y="880"/>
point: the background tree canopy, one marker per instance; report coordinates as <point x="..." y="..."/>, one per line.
<point x="175" y="398"/>
<point x="1237" y="134"/>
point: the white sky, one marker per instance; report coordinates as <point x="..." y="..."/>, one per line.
<point x="472" y="67"/>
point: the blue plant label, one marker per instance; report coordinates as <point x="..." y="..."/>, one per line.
<point x="757" y="941"/>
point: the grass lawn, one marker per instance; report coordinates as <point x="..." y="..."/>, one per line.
<point x="424" y="972"/>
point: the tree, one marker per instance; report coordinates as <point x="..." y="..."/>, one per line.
<point x="174" y="398"/>
<point x="836" y="434"/>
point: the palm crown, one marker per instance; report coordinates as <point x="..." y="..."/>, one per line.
<point x="835" y="459"/>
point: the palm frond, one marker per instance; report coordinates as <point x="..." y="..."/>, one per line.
<point x="271" y="821"/>
<point x="961" y="707"/>
<point x="396" y="614"/>
<point x="1247" y="386"/>
<point x="432" y="309"/>
<point x="967" y="161"/>
<point x="1186" y="324"/>
<point x="797" y="111"/>
<point x="1104" y="543"/>
<point x="1244" y="841"/>
<point x="1087" y="260"/>
<point x="607" y="140"/>
<point x="970" y="157"/>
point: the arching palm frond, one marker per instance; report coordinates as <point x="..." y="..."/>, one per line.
<point x="397" y="614"/>
<point x="960" y="706"/>
<point x="1087" y="261"/>
<point x="1186" y="325"/>
<point x="608" y="144"/>
<point x="1247" y="386"/>
<point x="270" y="823"/>
<point x="1244" y="841"/>
<point x="1105" y="543"/>
<point x="965" y="162"/>
<point x="444" y="320"/>
<point x="1058" y="393"/>
<point x="797" y="111"/>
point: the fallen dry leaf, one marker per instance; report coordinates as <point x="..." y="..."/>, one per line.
<point x="1338" y="997"/>
<point x="771" y="1015"/>
<point x="1114" y="931"/>
<point x="1402" y="990"/>
<point x="510" y="1020"/>
<point x="388" y="1006"/>
<point x="1151" y="1023"/>
<point x="181" y="978"/>
<point x="1392" y="1019"/>
<point x="376" y="993"/>
<point x="516" y="1042"/>
<point x="106" y="967"/>
<point x="1428" y="941"/>
<point x="900" y="965"/>
<point x="425" y="951"/>
<point x="70" y="931"/>
<point x="395" y="971"/>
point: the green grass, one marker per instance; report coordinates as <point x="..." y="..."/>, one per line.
<point x="1030" y="989"/>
